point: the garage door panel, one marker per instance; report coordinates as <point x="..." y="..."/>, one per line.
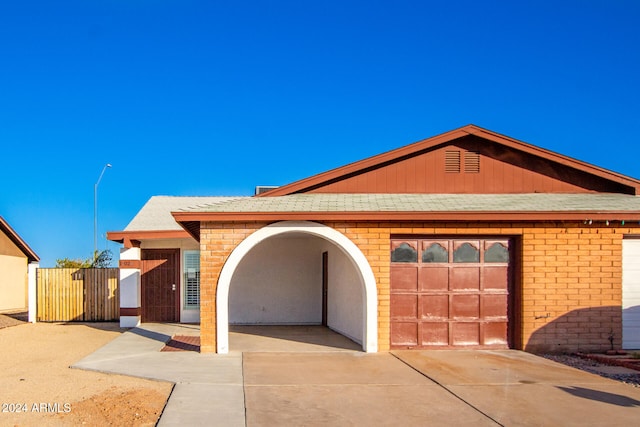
<point x="496" y="251"/>
<point x="404" y="251"/>
<point x="466" y="251"/>
<point x="465" y="333"/>
<point x="465" y="306"/>
<point x="495" y="278"/>
<point x="404" y="278"/>
<point x="404" y="333"/>
<point x="435" y="334"/>
<point x="494" y="306"/>
<point x="464" y="278"/>
<point x="404" y="306"/>
<point x="435" y="307"/>
<point x="495" y="334"/>
<point x="435" y="251"/>
<point x="434" y="279"/>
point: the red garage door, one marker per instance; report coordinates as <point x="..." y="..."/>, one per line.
<point x="449" y="293"/>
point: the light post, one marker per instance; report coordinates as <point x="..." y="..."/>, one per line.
<point x="95" y="212"/>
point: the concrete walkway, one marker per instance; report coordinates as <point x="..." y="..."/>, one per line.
<point x="208" y="388"/>
<point x="285" y="376"/>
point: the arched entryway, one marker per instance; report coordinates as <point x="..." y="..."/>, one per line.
<point x="282" y="236"/>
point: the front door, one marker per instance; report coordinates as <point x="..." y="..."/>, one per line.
<point x="160" y="285"/>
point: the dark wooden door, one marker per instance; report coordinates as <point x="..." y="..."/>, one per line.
<point x="160" y="285"/>
<point x="450" y="293"/>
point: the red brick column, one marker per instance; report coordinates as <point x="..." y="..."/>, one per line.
<point x="217" y="241"/>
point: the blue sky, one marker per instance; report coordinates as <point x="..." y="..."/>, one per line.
<point x="213" y="98"/>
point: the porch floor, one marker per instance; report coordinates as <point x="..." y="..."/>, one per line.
<point x="268" y="338"/>
<point x="288" y="338"/>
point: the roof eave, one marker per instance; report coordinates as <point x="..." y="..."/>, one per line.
<point x="17" y="240"/>
<point x="133" y="238"/>
<point x="350" y="168"/>
<point x="425" y="144"/>
<point x="555" y="157"/>
<point x="499" y="216"/>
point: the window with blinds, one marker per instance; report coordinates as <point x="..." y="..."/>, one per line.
<point x="191" y="279"/>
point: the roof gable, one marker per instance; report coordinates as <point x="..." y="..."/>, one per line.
<point x="154" y="220"/>
<point x="6" y="229"/>
<point x="466" y="160"/>
<point x="156" y="213"/>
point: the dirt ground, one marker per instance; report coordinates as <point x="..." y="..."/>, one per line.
<point x="37" y="387"/>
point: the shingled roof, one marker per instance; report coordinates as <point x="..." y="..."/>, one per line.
<point x="156" y="213"/>
<point x="17" y="240"/>
<point x="607" y="196"/>
<point x="154" y="220"/>
<point x="426" y="203"/>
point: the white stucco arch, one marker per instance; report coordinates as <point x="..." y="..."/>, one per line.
<point x="370" y="321"/>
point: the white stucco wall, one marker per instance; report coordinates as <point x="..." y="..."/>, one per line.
<point x="278" y="282"/>
<point x="345" y="295"/>
<point x="33" y="272"/>
<point x="129" y="287"/>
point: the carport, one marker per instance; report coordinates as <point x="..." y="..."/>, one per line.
<point x="298" y="273"/>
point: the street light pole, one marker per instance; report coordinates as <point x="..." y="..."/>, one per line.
<point x="95" y="212"/>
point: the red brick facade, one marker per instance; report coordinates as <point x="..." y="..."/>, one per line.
<point x="568" y="277"/>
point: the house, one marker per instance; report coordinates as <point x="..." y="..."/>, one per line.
<point x="18" y="263"/>
<point x="469" y="239"/>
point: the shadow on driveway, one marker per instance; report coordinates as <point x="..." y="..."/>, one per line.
<point x="601" y="396"/>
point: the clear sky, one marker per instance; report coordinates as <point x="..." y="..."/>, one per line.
<point x="213" y="98"/>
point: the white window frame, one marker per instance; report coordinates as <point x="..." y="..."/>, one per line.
<point x="190" y="269"/>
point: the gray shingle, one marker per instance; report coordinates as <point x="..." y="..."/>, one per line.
<point x="156" y="213"/>
<point x="536" y="202"/>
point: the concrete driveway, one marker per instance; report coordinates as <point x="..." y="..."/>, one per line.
<point x="435" y="388"/>
<point x="331" y="385"/>
<point x="514" y="388"/>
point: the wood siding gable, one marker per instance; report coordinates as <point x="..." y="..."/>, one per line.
<point x="469" y="160"/>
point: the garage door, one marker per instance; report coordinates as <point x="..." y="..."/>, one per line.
<point x="449" y="293"/>
<point x="631" y="294"/>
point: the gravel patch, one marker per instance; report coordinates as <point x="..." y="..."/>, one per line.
<point x="37" y="388"/>
<point x="592" y="366"/>
<point x="13" y="319"/>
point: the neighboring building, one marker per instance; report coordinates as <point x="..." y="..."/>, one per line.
<point x="18" y="263"/>
<point x="469" y="239"/>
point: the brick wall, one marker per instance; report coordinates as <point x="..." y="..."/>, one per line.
<point x="569" y="278"/>
<point x="217" y="241"/>
<point x="572" y="288"/>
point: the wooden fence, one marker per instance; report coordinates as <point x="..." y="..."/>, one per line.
<point x="78" y="294"/>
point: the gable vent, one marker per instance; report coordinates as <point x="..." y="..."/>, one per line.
<point x="264" y="188"/>
<point x="471" y="162"/>
<point x="452" y="161"/>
